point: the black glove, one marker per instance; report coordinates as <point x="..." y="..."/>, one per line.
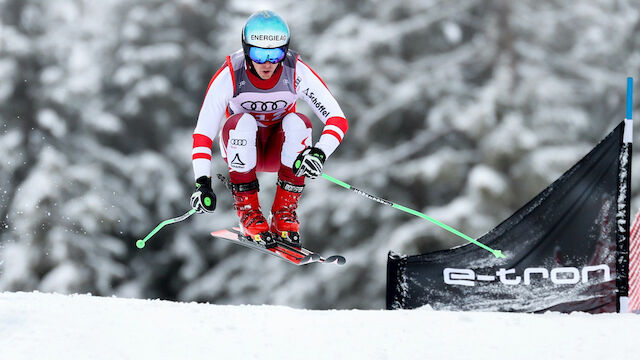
<point x="309" y="163"/>
<point x="203" y="199"/>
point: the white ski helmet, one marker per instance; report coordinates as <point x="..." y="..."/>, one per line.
<point x="265" y="37"/>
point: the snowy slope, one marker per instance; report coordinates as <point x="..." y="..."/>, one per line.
<point x="50" y="326"/>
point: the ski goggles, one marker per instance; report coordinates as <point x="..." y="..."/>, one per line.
<point x="262" y="55"/>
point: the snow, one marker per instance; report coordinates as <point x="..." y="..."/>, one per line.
<point x="452" y="31"/>
<point x="52" y="326"/>
<point x="485" y="180"/>
<point x="49" y="119"/>
<point x="16" y="263"/>
<point x="7" y="67"/>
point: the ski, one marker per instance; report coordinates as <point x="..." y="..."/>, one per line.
<point x="334" y="259"/>
<point x="283" y="251"/>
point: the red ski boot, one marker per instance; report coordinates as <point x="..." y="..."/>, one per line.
<point x="252" y="223"/>
<point x="283" y="218"/>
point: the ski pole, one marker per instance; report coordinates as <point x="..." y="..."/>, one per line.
<point x="140" y="243"/>
<point x="496" y="253"/>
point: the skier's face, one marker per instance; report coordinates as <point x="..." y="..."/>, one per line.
<point x="266" y="70"/>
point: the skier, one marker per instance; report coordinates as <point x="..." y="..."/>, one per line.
<point x="256" y="91"/>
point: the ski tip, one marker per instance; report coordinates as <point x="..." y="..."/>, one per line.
<point x="311" y="258"/>
<point x="336" y="259"/>
<point x="140" y="244"/>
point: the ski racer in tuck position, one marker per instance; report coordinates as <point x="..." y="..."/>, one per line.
<point x="256" y="90"/>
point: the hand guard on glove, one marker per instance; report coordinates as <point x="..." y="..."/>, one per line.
<point x="309" y="163"/>
<point x="203" y="199"/>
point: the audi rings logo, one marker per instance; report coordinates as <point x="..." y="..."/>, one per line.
<point x="238" y="142"/>
<point x="264" y="105"/>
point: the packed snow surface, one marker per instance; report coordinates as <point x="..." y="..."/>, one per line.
<point x="51" y="326"/>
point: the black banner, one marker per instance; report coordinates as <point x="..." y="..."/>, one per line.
<point x="565" y="249"/>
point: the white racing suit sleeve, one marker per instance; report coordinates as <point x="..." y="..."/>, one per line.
<point x="314" y="91"/>
<point x="212" y="112"/>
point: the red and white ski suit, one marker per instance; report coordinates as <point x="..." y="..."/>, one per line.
<point x="262" y="130"/>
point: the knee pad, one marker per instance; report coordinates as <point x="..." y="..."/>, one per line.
<point x="297" y="129"/>
<point x="239" y="141"/>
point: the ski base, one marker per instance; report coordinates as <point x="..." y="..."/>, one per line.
<point x="292" y="254"/>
